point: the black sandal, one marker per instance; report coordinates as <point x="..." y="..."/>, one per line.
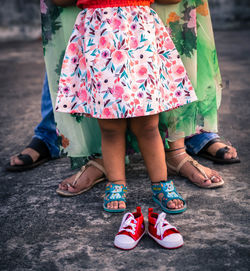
<point x="37" y="145"/>
<point x="219" y="156"/>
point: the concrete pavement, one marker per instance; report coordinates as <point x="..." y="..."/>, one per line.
<point x="41" y="231"/>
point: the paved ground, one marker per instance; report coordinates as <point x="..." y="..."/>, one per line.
<point x="42" y="231"/>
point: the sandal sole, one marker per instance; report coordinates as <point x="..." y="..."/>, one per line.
<point x="21" y="168"/>
<point x="170" y="211"/>
<point x="65" y="193"/>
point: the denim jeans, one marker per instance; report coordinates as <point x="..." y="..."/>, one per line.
<point x="195" y="143"/>
<point x="46" y="129"/>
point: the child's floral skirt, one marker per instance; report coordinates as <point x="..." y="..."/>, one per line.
<point x="121" y="63"/>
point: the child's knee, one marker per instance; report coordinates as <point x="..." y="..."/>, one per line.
<point x="148" y="130"/>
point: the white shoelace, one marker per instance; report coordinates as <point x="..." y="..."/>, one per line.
<point x="159" y="224"/>
<point x="128" y="221"/>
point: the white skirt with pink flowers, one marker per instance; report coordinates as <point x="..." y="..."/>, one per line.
<point x="121" y="63"/>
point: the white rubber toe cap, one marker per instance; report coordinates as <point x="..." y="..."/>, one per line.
<point x="173" y="240"/>
<point x="124" y="241"/>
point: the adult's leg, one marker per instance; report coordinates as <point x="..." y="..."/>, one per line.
<point x="152" y="149"/>
<point x="44" y="142"/>
<point x="113" y="153"/>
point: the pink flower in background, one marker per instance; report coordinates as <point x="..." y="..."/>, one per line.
<point x="43" y="7"/>
<point x="192" y="21"/>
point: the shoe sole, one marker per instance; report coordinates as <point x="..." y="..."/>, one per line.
<point x="136" y="243"/>
<point x="158" y="242"/>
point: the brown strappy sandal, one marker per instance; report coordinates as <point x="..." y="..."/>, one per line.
<point x="78" y="175"/>
<point x="176" y="170"/>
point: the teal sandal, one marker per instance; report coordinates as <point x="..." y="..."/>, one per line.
<point x="169" y="193"/>
<point x="114" y="192"/>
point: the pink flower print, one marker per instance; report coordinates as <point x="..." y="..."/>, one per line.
<point x="98" y="85"/>
<point x="140" y="94"/>
<point x="134" y="88"/>
<point x="133" y="27"/>
<point x="82" y="64"/>
<point x="133" y="43"/>
<point x="114" y="106"/>
<point x="116" y="23"/>
<point x="107" y="113"/>
<point x="178" y="93"/>
<point x="168" y="44"/>
<point x="102" y="42"/>
<point x="166" y="97"/>
<point x="118" y="57"/>
<point x="178" y="71"/>
<point x="136" y="101"/>
<point x="82" y="95"/>
<point x="64" y="104"/>
<point x="105" y="53"/>
<point x="139" y="111"/>
<point x="172" y="87"/>
<point x="74" y="60"/>
<point x="192" y="21"/>
<point x="142" y="72"/>
<point x="81" y="28"/>
<point x="43" y="7"/>
<point x="125" y="97"/>
<point x="174" y="100"/>
<point x="72" y="49"/>
<point x="117" y="91"/>
<point x="66" y="90"/>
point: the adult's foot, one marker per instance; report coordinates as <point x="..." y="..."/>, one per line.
<point x="180" y="163"/>
<point x="35" y="154"/>
<point x="231" y="152"/>
<point x="90" y="174"/>
<point x="15" y="161"/>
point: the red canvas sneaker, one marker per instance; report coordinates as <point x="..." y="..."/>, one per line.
<point x="162" y="232"/>
<point x="131" y="230"/>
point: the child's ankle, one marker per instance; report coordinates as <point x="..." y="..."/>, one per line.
<point x="158" y="182"/>
<point x="117" y="182"/>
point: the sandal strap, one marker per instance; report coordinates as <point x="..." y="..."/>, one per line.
<point x="221" y="152"/>
<point x="39" y="146"/>
<point x="193" y="162"/>
<point x="209" y="143"/>
<point x="26" y="158"/>
<point x="115" y="192"/>
<point x="84" y="167"/>
<point x="168" y="189"/>
<point x="95" y="164"/>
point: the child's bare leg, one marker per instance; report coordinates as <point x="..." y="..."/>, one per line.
<point x="152" y="149"/>
<point x="113" y="152"/>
